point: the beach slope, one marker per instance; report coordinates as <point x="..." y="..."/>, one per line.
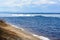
<point x="8" y="32"/>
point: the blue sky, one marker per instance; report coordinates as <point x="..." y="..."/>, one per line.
<point x="30" y="6"/>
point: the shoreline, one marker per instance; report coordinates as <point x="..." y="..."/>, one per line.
<point x="40" y="37"/>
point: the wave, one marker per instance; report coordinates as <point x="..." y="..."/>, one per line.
<point x="29" y="15"/>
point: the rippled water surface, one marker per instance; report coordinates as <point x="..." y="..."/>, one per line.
<point x="45" y="26"/>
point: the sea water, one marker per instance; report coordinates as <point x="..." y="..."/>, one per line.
<point x="43" y="26"/>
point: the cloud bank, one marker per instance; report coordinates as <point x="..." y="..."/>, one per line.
<point x="27" y="5"/>
<point x="20" y="3"/>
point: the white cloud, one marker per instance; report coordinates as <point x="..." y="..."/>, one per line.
<point x="25" y="2"/>
<point x="44" y="2"/>
<point x="15" y="2"/>
<point x="21" y="5"/>
<point x="52" y="2"/>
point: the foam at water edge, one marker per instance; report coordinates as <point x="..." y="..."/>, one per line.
<point x="41" y="37"/>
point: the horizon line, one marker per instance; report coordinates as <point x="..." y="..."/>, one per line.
<point x="30" y="12"/>
<point x="29" y="15"/>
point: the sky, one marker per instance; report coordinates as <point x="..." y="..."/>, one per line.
<point x="30" y="6"/>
